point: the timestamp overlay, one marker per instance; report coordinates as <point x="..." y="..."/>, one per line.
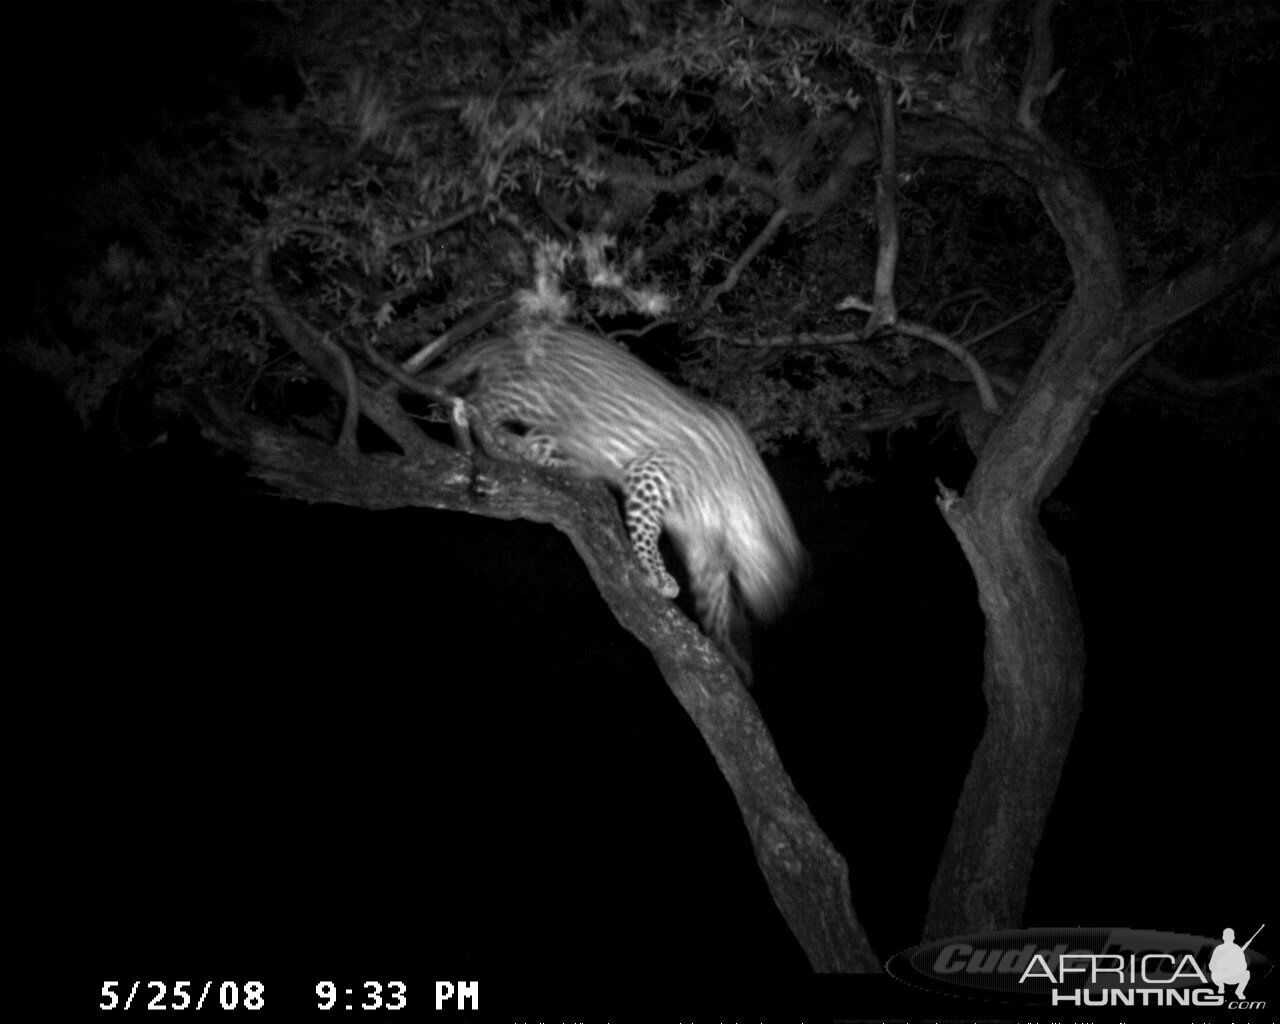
<point x="519" y="997"/>
<point x="496" y="996"/>
<point x="273" y="995"/>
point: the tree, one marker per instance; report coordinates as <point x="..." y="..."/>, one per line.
<point x="733" y="170"/>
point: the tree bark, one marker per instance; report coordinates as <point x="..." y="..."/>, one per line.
<point x="1034" y="660"/>
<point x="807" y="877"/>
<point x="1034" y="666"/>
<point x="1035" y="655"/>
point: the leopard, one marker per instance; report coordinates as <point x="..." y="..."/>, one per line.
<point x="568" y="399"/>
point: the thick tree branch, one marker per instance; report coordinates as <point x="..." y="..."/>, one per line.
<point x="806" y="875"/>
<point x="1163" y="305"/>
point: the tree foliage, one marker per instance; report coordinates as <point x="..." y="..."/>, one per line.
<point x="407" y="165"/>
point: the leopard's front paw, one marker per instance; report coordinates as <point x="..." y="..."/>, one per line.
<point x="665" y="584"/>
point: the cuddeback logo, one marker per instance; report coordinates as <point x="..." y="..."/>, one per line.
<point x="1088" y="967"/>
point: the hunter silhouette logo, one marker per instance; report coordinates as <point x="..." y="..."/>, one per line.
<point x="1227" y="966"/>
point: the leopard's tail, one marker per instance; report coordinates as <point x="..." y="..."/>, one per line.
<point x="763" y="553"/>
<point x="719" y="605"/>
<point x="746" y="560"/>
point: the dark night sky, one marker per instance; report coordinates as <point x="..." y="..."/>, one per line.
<point x="327" y="735"/>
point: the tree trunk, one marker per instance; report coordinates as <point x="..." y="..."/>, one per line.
<point x="1034" y="665"/>
<point x="1032" y="681"/>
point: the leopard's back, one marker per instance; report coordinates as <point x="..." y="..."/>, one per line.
<point x="604" y="406"/>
